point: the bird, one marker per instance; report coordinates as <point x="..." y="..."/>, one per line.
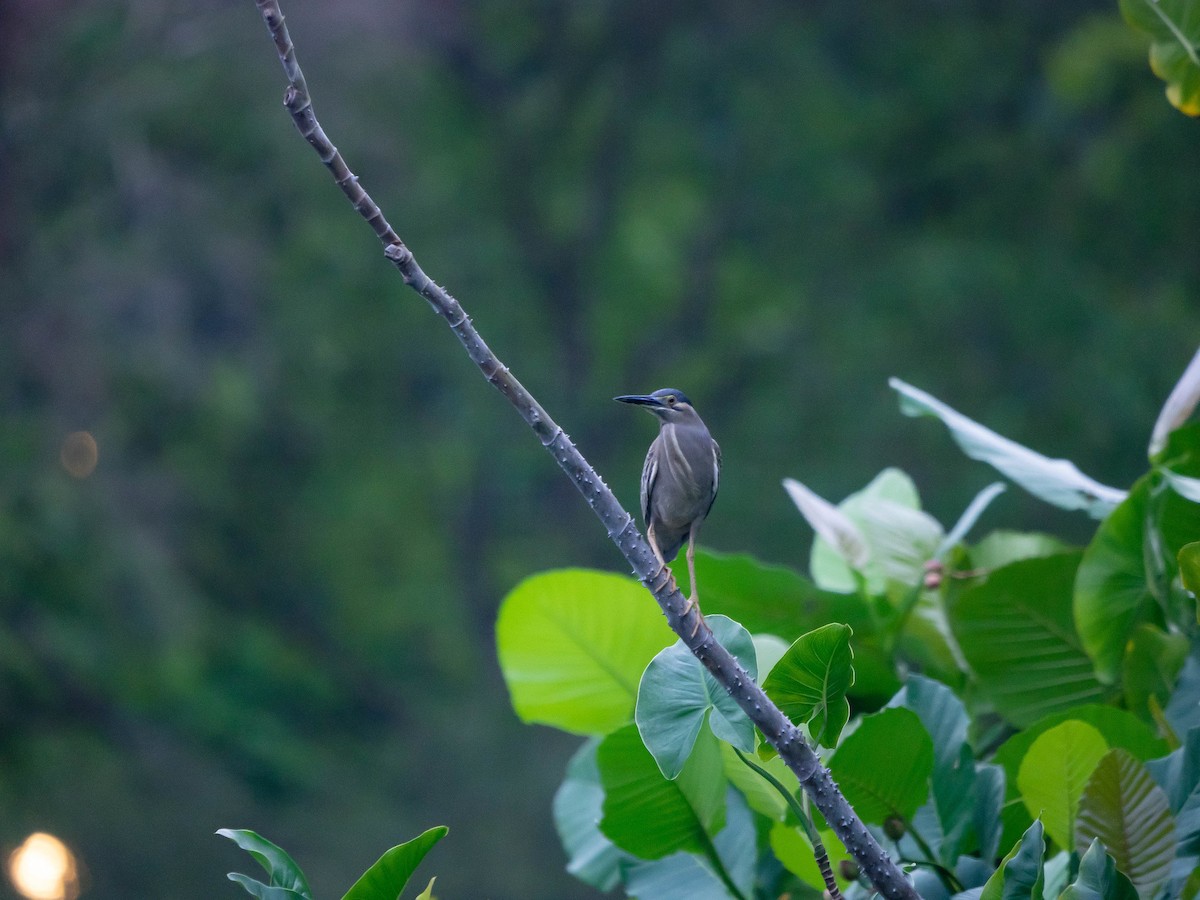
<point x="679" y="478"/>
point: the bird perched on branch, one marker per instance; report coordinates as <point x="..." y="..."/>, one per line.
<point x="679" y="478"/>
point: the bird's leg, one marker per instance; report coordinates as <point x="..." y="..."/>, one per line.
<point x="653" y="541"/>
<point x="691" y="563"/>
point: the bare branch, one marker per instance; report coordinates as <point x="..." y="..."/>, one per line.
<point x="620" y="525"/>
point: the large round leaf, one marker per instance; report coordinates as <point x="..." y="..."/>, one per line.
<point x="1016" y="632"/>
<point x="573" y="645"/>
<point x="677" y="694"/>
<point x="883" y="768"/>
<point x="1053" y="775"/>
<point x="811" y="680"/>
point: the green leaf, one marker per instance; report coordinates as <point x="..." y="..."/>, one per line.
<point x="1054" y="773"/>
<point x="780" y="601"/>
<point x="770" y="599"/>
<point x="1183" y="709"/>
<point x="954" y="789"/>
<point x="1129" y="814"/>
<point x="811" y="680"/>
<point x="275" y="861"/>
<point x="573" y="645"/>
<point x="1099" y="879"/>
<point x="651" y="816"/>
<point x="793" y="849"/>
<point x="427" y="894"/>
<point x="1119" y="728"/>
<point x="877" y="791"/>
<point x="1021" y="875"/>
<point x="262" y="891"/>
<point x="1112" y="588"/>
<point x="1189" y="566"/>
<point x="1127" y="571"/>
<point x="677" y="694"/>
<point x="390" y="873"/>
<point x="1191" y="886"/>
<point x="1179" y="777"/>
<point x="687" y="876"/>
<point x="1016" y="632"/>
<point x="1153" y="661"/>
<point x="1057" y="481"/>
<point x="900" y="538"/>
<point x="1174" y="30"/>
<point x="578" y="805"/>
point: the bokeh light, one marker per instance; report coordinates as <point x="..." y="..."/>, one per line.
<point x="43" y="868"/>
<point x="79" y="454"/>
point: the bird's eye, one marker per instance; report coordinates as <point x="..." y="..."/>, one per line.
<point x="670" y="399"/>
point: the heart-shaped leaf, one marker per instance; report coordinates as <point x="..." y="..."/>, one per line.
<point x="677" y="694"/>
<point x="811" y="681"/>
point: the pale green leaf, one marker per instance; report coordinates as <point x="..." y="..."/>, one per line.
<point x="1119" y="728"/>
<point x="969" y="517"/>
<point x="900" y="537"/>
<point x="831" y="524"/>
<point x="1053" y="775"/>
<point x="1057" y="481"/>
<point x="1178" y="407"/>
<point x="573" y="645"/>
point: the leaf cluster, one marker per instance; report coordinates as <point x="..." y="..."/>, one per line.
<point x="1012" y="716"/>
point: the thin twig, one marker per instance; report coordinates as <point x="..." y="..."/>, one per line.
<point x="620" y="525"/>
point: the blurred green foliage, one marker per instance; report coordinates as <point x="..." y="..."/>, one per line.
<point x="272" y="602"/>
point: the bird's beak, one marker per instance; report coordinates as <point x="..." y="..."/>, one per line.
<point x="640" y="400"/>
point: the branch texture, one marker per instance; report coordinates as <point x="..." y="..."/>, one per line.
<point x="788" y="740"/>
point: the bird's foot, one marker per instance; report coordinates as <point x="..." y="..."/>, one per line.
<point x="691" y="602"/>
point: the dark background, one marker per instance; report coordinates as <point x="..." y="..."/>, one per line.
<point x="272" y="603"/>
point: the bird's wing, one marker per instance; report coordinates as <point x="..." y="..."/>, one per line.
<point x="649" y="476"/>
<point x="716" y="450"/>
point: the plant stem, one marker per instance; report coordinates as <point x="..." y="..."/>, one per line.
<point x="814" y="837"/>
<point x="621" y="528"/>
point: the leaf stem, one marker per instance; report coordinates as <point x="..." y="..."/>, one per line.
<point x="814" y="837"/>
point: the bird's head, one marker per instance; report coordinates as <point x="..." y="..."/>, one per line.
<point x="668" y="404"/>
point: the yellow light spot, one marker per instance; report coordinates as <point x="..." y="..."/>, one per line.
<point x="79" y="454"/>
<point x="43" y="868"/>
